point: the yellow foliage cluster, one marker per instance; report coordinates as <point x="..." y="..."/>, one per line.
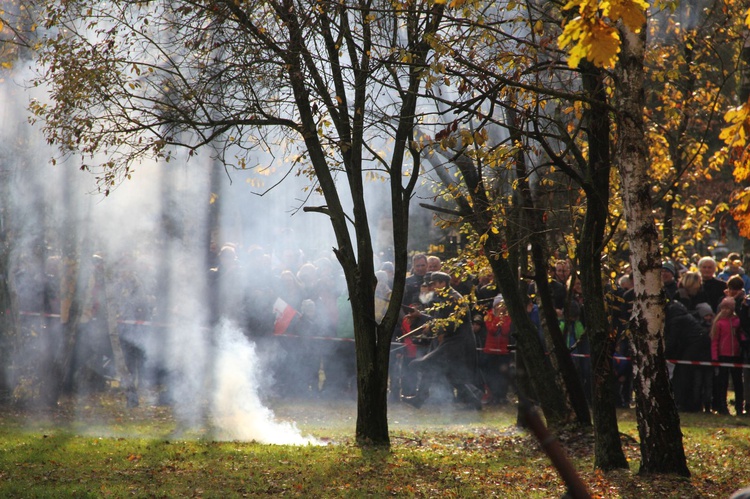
<point x="592" y="33"/>
<point x="735" y="136"/>
<point x="741" y="210"/>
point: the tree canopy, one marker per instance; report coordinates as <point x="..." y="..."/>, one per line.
<point x="344" y="92"/>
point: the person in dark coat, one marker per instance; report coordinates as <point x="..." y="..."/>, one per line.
<point x="690" y="290"/>
<point x="559" y="284"/>
<point x="713" y="287"/>
<point x="454" y="352"/>
<point x="414" y="281"/>
<point x="687" y="339"/>
<point x="669" y="278"/>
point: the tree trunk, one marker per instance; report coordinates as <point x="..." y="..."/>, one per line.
<point x="532" y="217"/>
<point x="658" y="421"/>
<point x="608" y="453"/>
<point x="354" y="250"/>
<point x="668" y="224"/>
<point x="546" y="386"/>
<point x="8" y="314"/>
<point x="372" y="387"/>
<point x="70" y="316"/>
<point x="372" y="350"/>
<point x="745" y="71"/>
<point x="70" y="309"/>
<point x="126" y="379"/>
<point x="542" y="378"/>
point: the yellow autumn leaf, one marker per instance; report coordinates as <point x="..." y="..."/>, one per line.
<point x="592" y="34"/>
<point x="587" y="8"/>
<point x="632" y="12"/>
<point x="480" y="137"/>
<point x="571" y="4"/>
<point x="571" y="32"/>
<point x="597" y="41"/>
<point x="576" y="54"/>
<point x="741" y="172"/>
<point x="604" y="45"/>
<point x="738" y="119"/>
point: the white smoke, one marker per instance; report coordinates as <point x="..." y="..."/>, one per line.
<point x="237" y="412"/>
<point x="125" y="228"/>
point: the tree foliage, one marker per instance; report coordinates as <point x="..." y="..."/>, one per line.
<point x="592" y="33"/>
<point x="328" y="88"/>
<point x="736" y="151"/>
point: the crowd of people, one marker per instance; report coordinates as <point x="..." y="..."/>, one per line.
<point x="454" y="339"/>
<point x="707" y="333"/>
<point x="707" y="330"/>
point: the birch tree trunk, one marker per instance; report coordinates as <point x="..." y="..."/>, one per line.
<point x="658" y="421"/>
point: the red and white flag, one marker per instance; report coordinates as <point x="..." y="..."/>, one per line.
<point x="284" y="316"/>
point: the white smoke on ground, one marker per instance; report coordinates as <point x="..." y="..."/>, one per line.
<point x="126" y="230"/>
<point x="237" y="412"/>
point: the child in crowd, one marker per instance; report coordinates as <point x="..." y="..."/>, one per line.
<point x="726" y="335"/>
<point x="495" y="357"/>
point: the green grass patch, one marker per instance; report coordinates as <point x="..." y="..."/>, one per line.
<point x="101" y="449"/>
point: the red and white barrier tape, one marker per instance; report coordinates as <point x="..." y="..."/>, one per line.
<point x="122" y="321"/>
<point x="38" y="314"/>
<point x="493" y="351"/>
<point x="685" y="362"/>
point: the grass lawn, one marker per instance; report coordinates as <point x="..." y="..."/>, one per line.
<point x="98" y="448"/>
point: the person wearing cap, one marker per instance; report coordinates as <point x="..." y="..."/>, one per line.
<point x="669" y="278"/>
<point x="704" y="313"/>
<point x="454" y="354"/>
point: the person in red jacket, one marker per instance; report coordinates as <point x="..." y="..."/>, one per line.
<point x="495" y="356"/>
<point x="726" y="335"/>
